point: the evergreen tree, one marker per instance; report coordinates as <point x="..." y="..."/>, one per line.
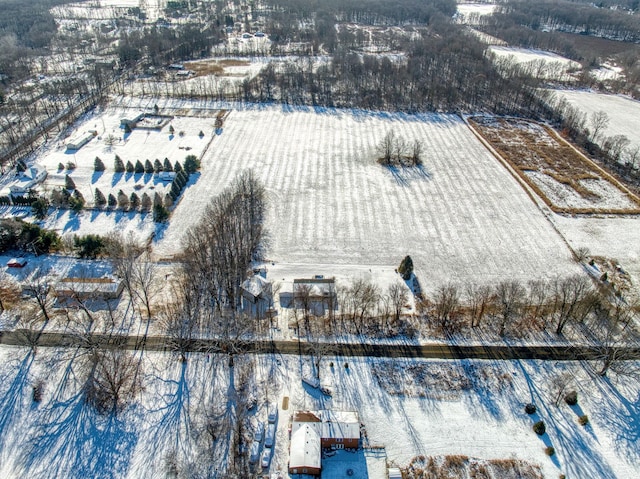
<point x="191" y="164"/>
<point x="68" y="183"/>
<point x="134" y="201"/>
<point x="157" y="199"/>
<point x="40" y="208"/>
<point x="98" y="164"/>
<point x="148" y="167"/>
<point x="123" y="200"/>
<point x="111" y="201"/>
<point x="139" y="167"/>
<point x="145" y="202"/>
<point x="406" y="268"/>
<point x="118" y="165"/>
<point x="98" y="198"/>
<point x="167" y="165"/>
<point x="76" y="202"/>
<point x="177" y="167"/>
<point x="172" y="130"/>
<point x="157" y="166"/>
<point x="130" y="167"/>
<point x="160" y="214"/>
<point x="167" y="201"/>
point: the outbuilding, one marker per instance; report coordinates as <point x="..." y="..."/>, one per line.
<point x="305" y="455"/>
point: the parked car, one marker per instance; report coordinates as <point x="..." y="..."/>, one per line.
<point x="270" y="437"/>
<point x="259" y="435"/>
<point x="254" y="454"/>
<point x="266" y="457"/>
<point x="273" y="414"/>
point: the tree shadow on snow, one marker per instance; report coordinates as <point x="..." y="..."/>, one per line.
<point x="12" y="401"/>
<point x="169" y="430"/>
<point x="576" y="451"/>
<point x="72" y="440"/>
<point x="623" y="419"/>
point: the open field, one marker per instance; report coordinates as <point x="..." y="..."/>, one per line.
<point x="623" y="112"/>
<point x="461" y="216"/>
<point x="540" y="64"/>
<point x="566" y="180"/>
<point x="479" y="415"/>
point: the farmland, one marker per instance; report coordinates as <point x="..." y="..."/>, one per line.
<point x="566" y="180"/>
<point x="331" y="206"/>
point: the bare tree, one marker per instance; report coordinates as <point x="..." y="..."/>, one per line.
<point x="386" y="147"/>
<point x="616" y="339"/>
<point x="145" y="281"/>
<point x="573" y="299"/>
<point x="398" y="295"/>
<point x="509" y="296"/>
<point x="599" y="120"/>
<point x="39" y="286"/>
<point x="417" y="148"/>
<point x="446" y="305"/>
<point x="615" y="145"/>
<point x="558" y="385"/>
<point x="113" y="380"/>
<point x="479" y="299"/>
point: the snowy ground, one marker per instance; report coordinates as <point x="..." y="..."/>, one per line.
<point x="540" y="64"/>
<point x="469" y="13"/>
<point x="623" y="112"/>
<point x="472" y="408"/>
<point x="331" y="206"/>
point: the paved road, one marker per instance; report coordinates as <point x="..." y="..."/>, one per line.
<point x="438" y="350"/>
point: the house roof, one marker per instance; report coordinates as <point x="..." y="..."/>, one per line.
<point x="305" y="448"/>
<point x="104" y="284"/>
<point x="255" y="285"/>
<point x="329" y="424"/>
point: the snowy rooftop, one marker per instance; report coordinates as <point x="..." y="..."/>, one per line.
<point x="305" y="448"/>
<point x="329" y="424"/>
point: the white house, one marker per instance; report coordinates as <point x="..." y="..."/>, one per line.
<point x="257" y="296"/>
<point x="27" y="180"/>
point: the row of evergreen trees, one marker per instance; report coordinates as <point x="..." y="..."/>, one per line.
<point x="191" y="164"/>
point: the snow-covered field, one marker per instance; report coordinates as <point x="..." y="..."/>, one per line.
<point x="411" y="407"/>
<point x="331" y="206"/>
<point x="470" y="12"/>
<point x="623" y="112"/>
<point x="540" y="64"/>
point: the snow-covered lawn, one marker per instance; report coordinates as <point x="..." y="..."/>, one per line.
<point x="461" y="216"/>
<point x="484" y="418"/>
<point x="623" y="112"/>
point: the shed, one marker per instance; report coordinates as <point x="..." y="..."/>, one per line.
<point x="106" y="287"/>
<point x="78" y="141"/>
<point x="17" y="263"/>
<point x="394" y="473"/>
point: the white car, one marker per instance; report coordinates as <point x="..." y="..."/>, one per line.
<point x="266" y="457"/>
<point x="273" y="414"/>
<point x="270" y="438"/>
<point x="259" y="435"/>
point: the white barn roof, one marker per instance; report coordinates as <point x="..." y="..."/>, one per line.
<point x="305" y="448"/>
